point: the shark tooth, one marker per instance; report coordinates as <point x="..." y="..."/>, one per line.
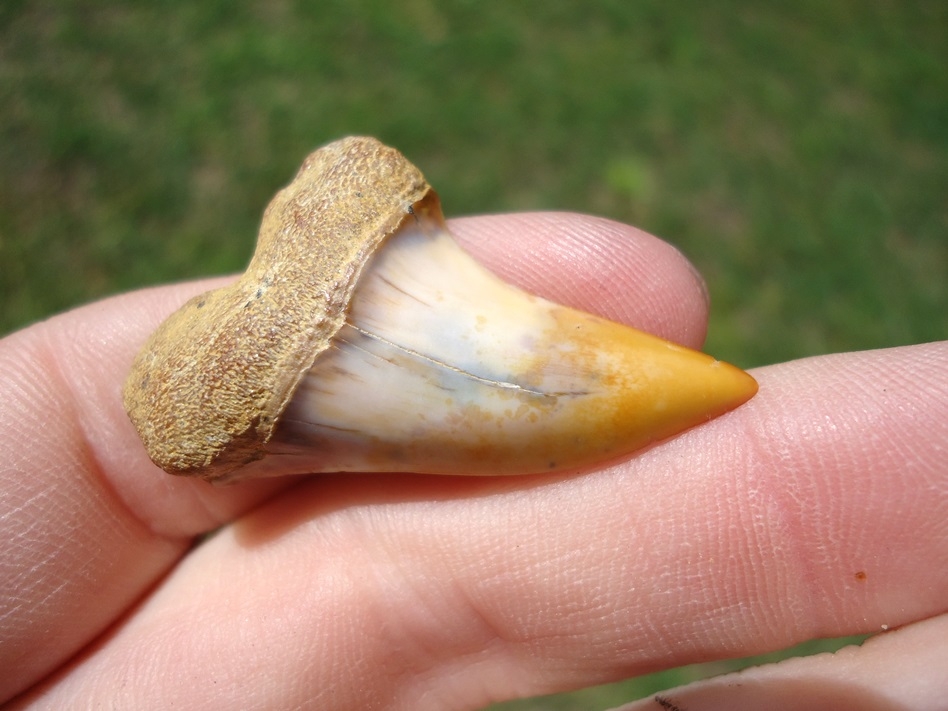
<point x="363" y="338"/>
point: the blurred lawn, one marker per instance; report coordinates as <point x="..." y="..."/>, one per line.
<point x="796" y="151"/>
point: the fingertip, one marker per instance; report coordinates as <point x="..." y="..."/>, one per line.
<point x="596" y="265"/>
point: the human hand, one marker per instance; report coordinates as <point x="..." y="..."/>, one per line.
<point x="817" y="509"/>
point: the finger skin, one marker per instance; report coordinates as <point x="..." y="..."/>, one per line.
<point x="599" y="266"/>
<point x="817" y="509"/>
<point x="90" y="525"/>
<point x="902" y="669"/>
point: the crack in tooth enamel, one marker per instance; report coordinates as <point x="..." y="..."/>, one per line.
<point x="436" y="363"/>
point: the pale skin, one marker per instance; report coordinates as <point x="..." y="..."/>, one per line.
<point x="819" y="508"/>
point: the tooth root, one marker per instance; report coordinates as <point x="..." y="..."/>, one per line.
<point x="443" y="368"/>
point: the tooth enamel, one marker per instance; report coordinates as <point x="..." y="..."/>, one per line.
<point x="362" y="338"/>
<point x="443" y="368"/>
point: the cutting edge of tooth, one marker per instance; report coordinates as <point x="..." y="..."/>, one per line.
<point x="208" y="387"/>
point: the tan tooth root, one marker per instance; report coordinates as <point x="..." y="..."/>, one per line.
<point x="328" y="355"/>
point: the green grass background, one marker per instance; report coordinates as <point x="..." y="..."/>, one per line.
<point x="797" y="152"/>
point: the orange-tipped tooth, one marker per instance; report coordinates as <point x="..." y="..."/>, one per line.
<point x="443" y="368"/>
<point x="362" y="338"/>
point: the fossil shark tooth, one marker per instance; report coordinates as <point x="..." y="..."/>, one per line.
<point x="363" y="338"/>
